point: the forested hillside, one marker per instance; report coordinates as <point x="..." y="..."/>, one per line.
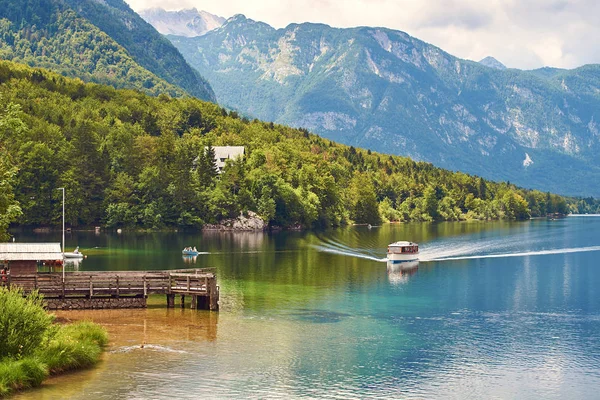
<point x="50" y="34"/>
<point x="130" y="160"/>
<point x="145" y="45"/>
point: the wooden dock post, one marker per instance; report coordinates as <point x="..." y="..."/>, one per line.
<point x="213" y="294"/>
<point x="170" y="301"/>
<point x="202" y="303"/>
<point x="182" y="301"/>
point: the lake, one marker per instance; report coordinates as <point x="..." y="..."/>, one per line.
<point x="497" y="310"/>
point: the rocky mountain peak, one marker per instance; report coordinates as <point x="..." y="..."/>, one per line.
<point x="492" y="63"/>
<point x="187" y="22"/>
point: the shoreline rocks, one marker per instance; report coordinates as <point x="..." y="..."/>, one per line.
<point x="249" y="222"/>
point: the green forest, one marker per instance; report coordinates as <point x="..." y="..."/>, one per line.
<point x="46" y="33"/>
<point x="131" y="160"/>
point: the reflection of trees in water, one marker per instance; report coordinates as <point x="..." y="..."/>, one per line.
<point x="231" y="297"/>
<point x="242" y="240"/>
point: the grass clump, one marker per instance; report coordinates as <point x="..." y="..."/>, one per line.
<point x="21" y="374"/>
<point x="32" y="346"/>
<point x="24" y="324"/>
<point x="74" y="346"/>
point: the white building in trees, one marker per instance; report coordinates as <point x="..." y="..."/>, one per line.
<point x="224" y="153"/>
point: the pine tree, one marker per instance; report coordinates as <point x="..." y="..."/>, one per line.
<point x="206" y="167"/>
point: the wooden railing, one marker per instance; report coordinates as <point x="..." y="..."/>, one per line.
<point x="115" y="284"/>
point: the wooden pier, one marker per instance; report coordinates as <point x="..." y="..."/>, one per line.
<point x="122" y="289"/>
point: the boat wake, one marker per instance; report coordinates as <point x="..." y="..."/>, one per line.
<point x="341" y="249"/>
<point x="457" y="250"/>
<point x="349" y="253"/>
<point x="516" y="254"/>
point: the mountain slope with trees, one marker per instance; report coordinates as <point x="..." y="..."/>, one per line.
<point x="51" y="34"/>
<point x="145" y="45"/>
<point x="130" y="160"/>
<point x="382" y="89"/>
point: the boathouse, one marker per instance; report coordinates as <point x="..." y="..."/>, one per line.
<point x="24" y="258"/>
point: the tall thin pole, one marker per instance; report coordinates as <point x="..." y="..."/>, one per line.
<point x="63" y="232"/>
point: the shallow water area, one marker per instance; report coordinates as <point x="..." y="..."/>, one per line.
<point x="494" y="310"/>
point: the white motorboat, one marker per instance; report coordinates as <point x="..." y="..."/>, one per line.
<point x="403" y="253"/>
<point x="74" y="254"/>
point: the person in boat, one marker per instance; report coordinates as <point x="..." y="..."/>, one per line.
<point x="195" y="249"/>
<point x="76" y="251"/>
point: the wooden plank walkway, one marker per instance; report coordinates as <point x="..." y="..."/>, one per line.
<point x="200" y="284"/>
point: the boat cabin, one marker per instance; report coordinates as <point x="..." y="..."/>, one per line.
<point x="403" y="248"/>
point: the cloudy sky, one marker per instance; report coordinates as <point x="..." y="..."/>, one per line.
<point x="520" y="33"/>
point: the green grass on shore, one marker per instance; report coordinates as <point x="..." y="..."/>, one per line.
<point x="32" y="347"/>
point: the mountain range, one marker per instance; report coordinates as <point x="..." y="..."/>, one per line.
<point x="386" y="91"/>
<point x="98" y="41"/>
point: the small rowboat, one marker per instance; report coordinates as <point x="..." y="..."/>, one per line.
<point x="189" y="252"/>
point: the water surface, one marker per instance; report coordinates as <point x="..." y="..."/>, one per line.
<point x="499" y="310"/>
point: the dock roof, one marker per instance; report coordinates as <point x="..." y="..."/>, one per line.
<point x="30" y="251"/>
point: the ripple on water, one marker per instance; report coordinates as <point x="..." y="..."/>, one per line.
<point x="318" y="316"/>
<point x="147" y="347"/>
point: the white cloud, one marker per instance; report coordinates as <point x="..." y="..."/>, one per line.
<point x="520" y="33"/>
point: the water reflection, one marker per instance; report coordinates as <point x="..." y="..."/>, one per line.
<point x="73" y="264"/>
<point x="156" y="325"/>
<point x="189" y="259"/>
<point x="299" y="322"/>
<point x="241" y="240"/>
<point x="69" y="264"/>
<point x="399" y="273"/>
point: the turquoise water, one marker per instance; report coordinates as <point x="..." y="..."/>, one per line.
<point x="497" y="310"/>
